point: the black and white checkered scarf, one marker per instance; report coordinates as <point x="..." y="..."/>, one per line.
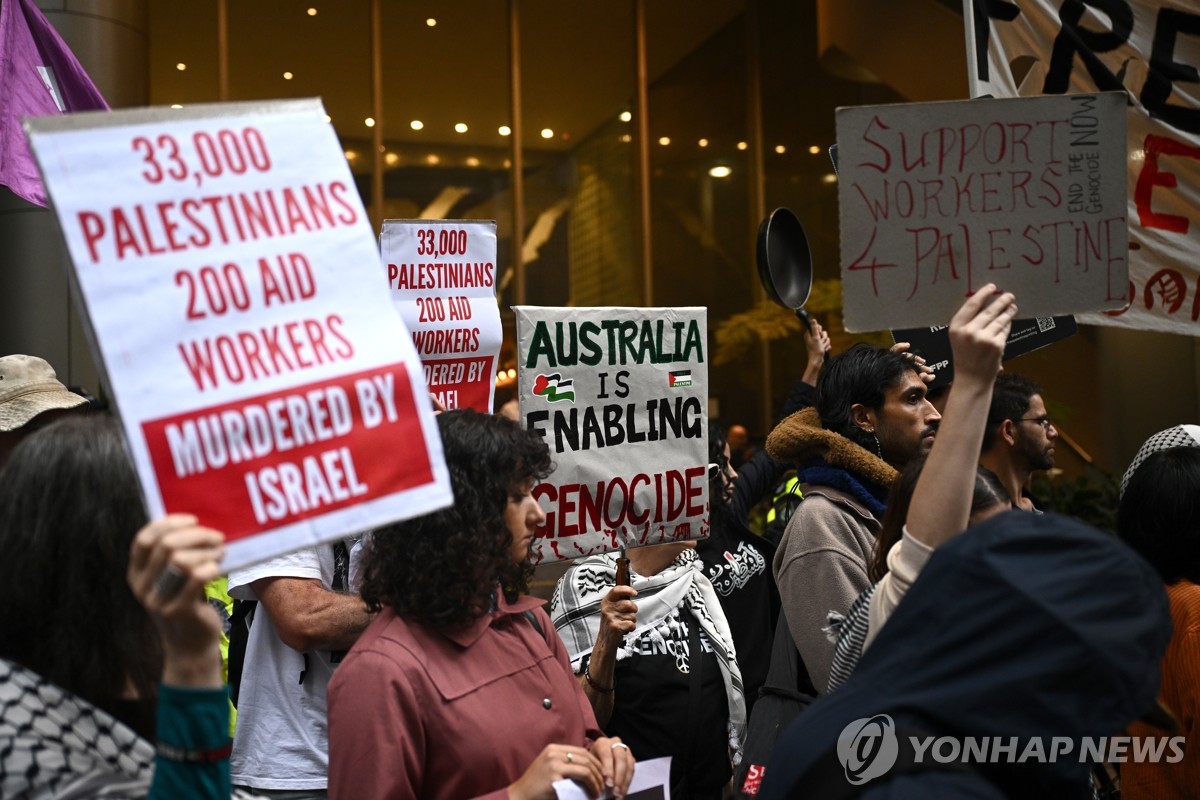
<point x="56" y="746"/>
<point x="1179" y="436"/>
<point x="575" y="612"/>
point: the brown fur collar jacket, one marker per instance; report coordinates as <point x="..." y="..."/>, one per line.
<point x="800" y="437"/>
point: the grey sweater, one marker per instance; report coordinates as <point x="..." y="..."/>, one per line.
<point x="821" y="566"/>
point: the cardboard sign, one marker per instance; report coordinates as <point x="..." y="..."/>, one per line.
<point x="621" y="397"/>
<point x="1025" y="336"/>
<point x="1151" y="52"/>
<point x="442" y="275"/>
<point x="938" y="199"/>
<point x="229" y="278"/>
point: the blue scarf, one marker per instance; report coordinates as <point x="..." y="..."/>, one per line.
<point x="819" y="472"/>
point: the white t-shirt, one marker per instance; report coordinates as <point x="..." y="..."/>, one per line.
<point x="281" y="740"/>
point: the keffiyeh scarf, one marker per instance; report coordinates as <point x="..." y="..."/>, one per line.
<point x="1179" y="436"/>
<point x="54" y="744"/>
<point x="575" y="612"/>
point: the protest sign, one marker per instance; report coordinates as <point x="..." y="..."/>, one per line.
<point x="1027" y="335"/>
<point x="442" y="275"/>
<point x="621" y="397"/>
<point x="229" y="278"/>
<point x="1148" y="50"/>
<point x="938" y="199"/>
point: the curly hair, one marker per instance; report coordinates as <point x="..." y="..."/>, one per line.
<point x="441" y="569"/>
<point x="70" y="506"/>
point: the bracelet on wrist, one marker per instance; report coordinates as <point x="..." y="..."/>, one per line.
<point x="185" y="755"/>
<point x="587" y="676"/>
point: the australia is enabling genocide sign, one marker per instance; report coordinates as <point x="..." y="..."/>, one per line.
<point x="229" y="277"/>
<point x="938" y="199"/>
<point x="620" y="396"/>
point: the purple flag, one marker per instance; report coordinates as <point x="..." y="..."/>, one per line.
<point x="39" y="76"/>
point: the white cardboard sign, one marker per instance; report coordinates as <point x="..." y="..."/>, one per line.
<point x="442" y="275"/>
<point x="621" y="397"/>
<point x="938" y="199"/>
<point x="230" y="281"/>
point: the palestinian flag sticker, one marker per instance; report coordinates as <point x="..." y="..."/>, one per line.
<point x="679" y="379"/>
<point x="554" y="388"/>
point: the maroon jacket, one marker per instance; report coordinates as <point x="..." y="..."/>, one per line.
<point x="417" y="713"/>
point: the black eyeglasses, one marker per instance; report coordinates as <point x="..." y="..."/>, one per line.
<point x="1043" y="421"/>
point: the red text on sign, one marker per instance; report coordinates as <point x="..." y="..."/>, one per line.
<point x="275" y="459"/>
<point x="613" y="503"/>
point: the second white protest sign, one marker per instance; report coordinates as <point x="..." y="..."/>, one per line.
<point x="442" y="277"/>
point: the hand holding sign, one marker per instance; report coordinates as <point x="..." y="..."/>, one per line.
<point x="978" y="332"/>
<point x="188" y="627"/>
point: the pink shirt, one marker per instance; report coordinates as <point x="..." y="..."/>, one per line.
<point x="417" y="713"/>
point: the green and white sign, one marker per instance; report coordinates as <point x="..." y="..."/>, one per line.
<point x="621" y="397"/>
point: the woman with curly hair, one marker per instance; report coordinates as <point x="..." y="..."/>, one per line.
<point x="459" y="659"/>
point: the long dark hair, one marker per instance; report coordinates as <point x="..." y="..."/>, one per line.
<point x="1159" y="515"/>
<point x="989" y="492"/>
<point x="69" y="509"/>
<point x="440" y="569"/>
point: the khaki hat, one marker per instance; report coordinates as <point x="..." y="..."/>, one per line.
<point x="28" y="386"/>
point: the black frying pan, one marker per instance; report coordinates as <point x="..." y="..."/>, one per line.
<point x="785" y="262"/>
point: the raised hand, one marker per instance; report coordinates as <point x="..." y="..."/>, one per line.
<point x="902" y="349"/>
<point x="978" y="332"/>
<point x="170" y="561"/>
<point x="816" y="342"/>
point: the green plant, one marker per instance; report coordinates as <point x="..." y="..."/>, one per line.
<point x="1091" y="497"/>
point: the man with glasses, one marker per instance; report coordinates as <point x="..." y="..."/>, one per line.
<point x="1019" y="438"/>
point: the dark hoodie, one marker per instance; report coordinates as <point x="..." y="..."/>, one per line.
<point x="1027" y="626"/>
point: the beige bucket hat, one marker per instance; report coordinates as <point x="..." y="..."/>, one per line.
<point x="28" y="387"/>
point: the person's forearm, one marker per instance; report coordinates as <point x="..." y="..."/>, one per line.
<point x="307" y="616"/>
<point x="812" y="370"/>
<point x="941" y="502"/>
<point x="602" y="667"/>
<point x="193" y="670"/>
<point x="338" y="623"/>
